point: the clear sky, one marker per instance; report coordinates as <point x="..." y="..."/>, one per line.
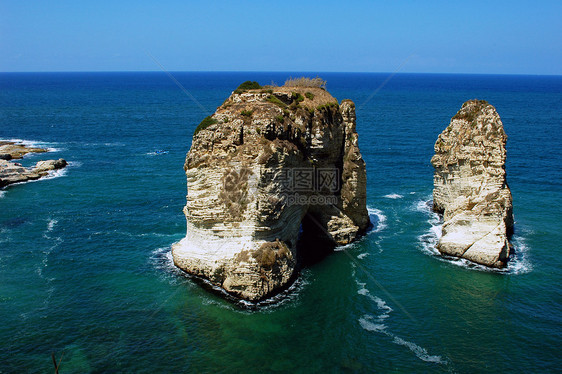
<point x="506" y="37"/>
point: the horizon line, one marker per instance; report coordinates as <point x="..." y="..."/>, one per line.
<point x="271" y="71"/>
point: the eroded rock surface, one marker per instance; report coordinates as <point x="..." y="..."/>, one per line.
<point x="470" y="187"/>
<point x="13" y="172"/>
<point x="267" y="163"/>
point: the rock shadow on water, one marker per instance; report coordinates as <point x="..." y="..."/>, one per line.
<point x="15" y="222"/>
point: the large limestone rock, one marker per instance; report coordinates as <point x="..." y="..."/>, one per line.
<point x="470" y="187"/>
<point x="268" y="167"/>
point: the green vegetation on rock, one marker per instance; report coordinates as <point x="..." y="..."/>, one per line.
<point x="207" y="121"/>
<point x="327" y="106"/>
<point x="274" y="100"/>
<point x="297" y="97"/>
<point x="248" y="85"/>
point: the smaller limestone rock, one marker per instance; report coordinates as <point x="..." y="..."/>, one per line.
<point x="470" y="187"/>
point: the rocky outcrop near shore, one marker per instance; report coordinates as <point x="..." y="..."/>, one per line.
<point x="13" y="172"/>
<point x="270" y="166"/>
<point x="470" y="187"/>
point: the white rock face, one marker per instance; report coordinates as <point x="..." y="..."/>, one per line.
<point x="470" y="187"/>
<point x="253" y="177"/>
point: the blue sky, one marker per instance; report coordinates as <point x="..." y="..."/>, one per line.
<point x="505" y="37"/>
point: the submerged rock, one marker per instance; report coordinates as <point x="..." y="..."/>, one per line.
<point x="270" y="167"/>
<point x="470" y="187"/>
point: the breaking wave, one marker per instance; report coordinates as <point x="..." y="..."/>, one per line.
<point x="393" y="196"/>
<point x="49" y="146"/>
<point x="378" y="219"/>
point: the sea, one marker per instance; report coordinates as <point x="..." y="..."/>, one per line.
<point x="86" y="276"/>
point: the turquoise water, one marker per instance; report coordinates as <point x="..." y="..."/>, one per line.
<point x="85" y="270"/>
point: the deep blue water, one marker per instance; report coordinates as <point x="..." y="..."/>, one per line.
<point x="85" y="270"/>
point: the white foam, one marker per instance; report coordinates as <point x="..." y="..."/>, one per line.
<point x="362" y="290"/>
<point x="156" y="153"/>
<point x="519" y="263"/>
<point x="163" y="252"/>
<point x="428" y="241"/>
<point x="362" y="256"/>
<point x="423" y="205"/>
<point x="346" y="247"/>
<point x="161" y="259"/>
<point x="376" y="324"/>
<point x="393" y="196"/>
<point x="381" y="304"/>
<point x="49" y="148"/>
<point x="420" y="352"/>
<point x="51" y="224"/>
<point x="2" y="194"/>
<point x="52" y="174"/>
<point x="34" y="144"/>
<point x="377" y="216"/>
<point x="436" y="228"/>
<point x="367" y="323"/>
<point x="44" y="264"/>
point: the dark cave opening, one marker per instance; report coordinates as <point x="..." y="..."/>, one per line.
<point x="315" y="243"/>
